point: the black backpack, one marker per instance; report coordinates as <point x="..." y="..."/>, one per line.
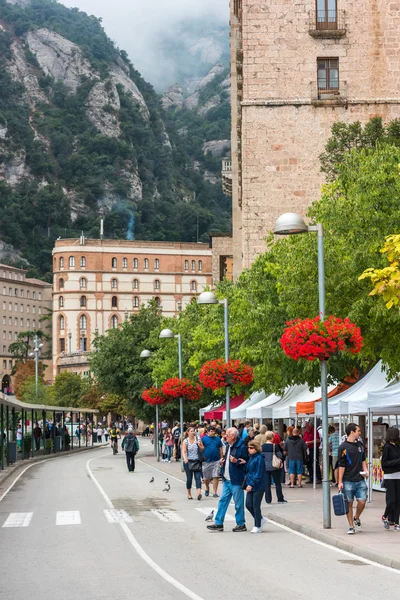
<point x="177" y="434"/>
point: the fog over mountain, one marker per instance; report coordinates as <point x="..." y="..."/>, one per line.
<point x="167" y="40"/>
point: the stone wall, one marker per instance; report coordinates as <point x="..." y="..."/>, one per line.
<point x="222" y="246"/>
<point x="284" y="126"/>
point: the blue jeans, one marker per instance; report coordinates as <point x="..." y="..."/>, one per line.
<point x="189" y="477"/>
<point x="229" y="490"/>
<point x="273" y="476"/>
<point x="169" y="452"/>
<point x="253" y="505"/>
<point x="357" y="489"/>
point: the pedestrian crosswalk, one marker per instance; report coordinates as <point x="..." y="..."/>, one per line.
<point x="73" y="517"/>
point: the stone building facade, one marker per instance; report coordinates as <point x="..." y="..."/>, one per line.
<point x="99" y="283"/>
<point x="24" y="301"/>
<point x="222" y="257"/>
<point x="297" y="68"/>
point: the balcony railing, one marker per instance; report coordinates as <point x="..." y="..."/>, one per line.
<point x="327" y="23"/>
<point x="333" y="96"/>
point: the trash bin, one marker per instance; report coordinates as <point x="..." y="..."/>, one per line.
<point x="12" y="452"/>
<point x="58" y="443"/>
<point x="94" y="437"/>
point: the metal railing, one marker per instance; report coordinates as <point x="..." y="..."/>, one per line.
<point x="327" y="21"/>
<point x="338" y="95"/>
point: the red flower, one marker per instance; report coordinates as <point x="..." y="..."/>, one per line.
<point x="216" y="374"/>
<point x="182" y="388"/>
<point x="155" y="396"/>
<point x="312" y="339"/>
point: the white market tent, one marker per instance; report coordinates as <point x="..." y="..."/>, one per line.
<point x="286" y="409"/>
<point x="240" y="411"/>
<point x="206" y="409"/>
<point x="385" y="401"/>
<point x="263" y="409"/>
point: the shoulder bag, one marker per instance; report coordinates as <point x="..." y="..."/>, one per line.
<point x="276" y="461"/>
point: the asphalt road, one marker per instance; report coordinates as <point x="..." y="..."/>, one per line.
<point x="82" y="527"/>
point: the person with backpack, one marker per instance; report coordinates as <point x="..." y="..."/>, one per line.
<point x="176" y="432"/>
<point x="130" y="444"/>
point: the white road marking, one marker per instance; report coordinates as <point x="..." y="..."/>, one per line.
<point x="18" y="520"/>
<point x="117" y="516"/>
<point x="167" y="516"/>
<point x="135" y="544"/>
<point x="206" y="511"/>
<point x="68" y="517"/>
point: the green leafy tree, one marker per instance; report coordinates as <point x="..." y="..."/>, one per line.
<point x="69" y="388"/>
<point x="45" y="394"/>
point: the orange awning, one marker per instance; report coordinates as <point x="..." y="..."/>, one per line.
<point x="308" y="408"/>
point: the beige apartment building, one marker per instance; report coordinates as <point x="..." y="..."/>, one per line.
<point x="99" y="283"/>
<point x="296" y="69"/>
<point x="23" y="303"/>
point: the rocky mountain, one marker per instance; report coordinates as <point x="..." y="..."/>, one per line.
<point x="83" y="135"/>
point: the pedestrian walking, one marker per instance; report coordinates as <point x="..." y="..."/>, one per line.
<point x="192" y="461"/>
<point x="169" y="444"/>
<point x="233" y="473"/>
<point x="391" y="468"/>
<point x="19" y="438"/>
<point x="308" y="437"/>
<point x="99" y="434"/>
<point x="334" y="447"/>
<point x="105" y="431"/>
<point x="212" y="457"/>
<point x="269" y="451"/>
<point x="130" y="444"/>
<point x="296" y="452"/>
<point x="176" y="432"/>
<point x="255" y="482"/>
<point x="352" y="473"/>
<point x="37" y="434"/>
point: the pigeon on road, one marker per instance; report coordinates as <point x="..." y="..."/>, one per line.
<point x="210" y="517"/>
<point x="167" y="488"/>
<point x="166" y="481"/>
<point x="152" y="480"/>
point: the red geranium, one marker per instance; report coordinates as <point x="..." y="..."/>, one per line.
<point x="216" y="374"/>
<point x="312" y="339"/>
<point x="182" y="388"/>
<point x="154" y="396"/>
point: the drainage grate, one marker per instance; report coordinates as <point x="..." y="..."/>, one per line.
<point x="356" y="563"/>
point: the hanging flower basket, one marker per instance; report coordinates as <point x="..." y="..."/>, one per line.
<point x="312" y="339"/>
<point x="155" y="397"/>
<point x="216" y="374"/>
<point x="182" y="388"/>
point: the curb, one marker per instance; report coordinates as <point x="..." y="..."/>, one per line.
<point x="11" y="470"/>
<point x="331" y="540"/>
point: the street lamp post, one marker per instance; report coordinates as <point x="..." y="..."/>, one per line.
<point x="147" y="354"/>
<point x="289" y="224"/>
<point x="168" y="334"/>
<point x="35" y="355"/>
<point x="69" y="342"/>
<point x="210" y="298"/>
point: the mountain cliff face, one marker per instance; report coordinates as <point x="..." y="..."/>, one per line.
<point x="83" y="135"/>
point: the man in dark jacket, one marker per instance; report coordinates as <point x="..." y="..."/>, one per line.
<point x="130" y="445"/>
<point x="233" y="468"/>
<point x="296" y="451"/>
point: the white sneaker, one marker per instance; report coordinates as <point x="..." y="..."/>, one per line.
<point x="256" y="530"/>
<point x="264" y="521"/>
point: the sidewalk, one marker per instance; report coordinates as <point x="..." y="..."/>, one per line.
<point x="303" y="513"/>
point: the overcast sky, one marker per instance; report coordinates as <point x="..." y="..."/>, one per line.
<point x="134" y="24"/>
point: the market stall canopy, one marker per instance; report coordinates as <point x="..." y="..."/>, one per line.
<point x="354" y="400"/>
<point x="12" y="402"/>
<point x="263" y="409"/>
<point x="309" y="408"/>
<point x="385" y="401"/>
<point x="286" y="408"/>
<point x="240" y="411"/>
<point x="218" y="413"/>
<point x="205" y="409"/>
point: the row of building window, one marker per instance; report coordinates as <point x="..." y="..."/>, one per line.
<point x="83" y="284"/>
<point x="10" y="333"/>
<point x="10" y="275"/>
<point x="20" y="293"/>
<point x="114" y="263"/>
<point x="10" y="364"/>
<point x="27" y="308"/>
<point x="21" y="322"/>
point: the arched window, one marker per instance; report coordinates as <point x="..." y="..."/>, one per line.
<point x="114" y="263"/>
<point x="61" y="302"/>
<point x="146" y="263"/>
<point x="135" y="302"/>
<point x="83" y="283"/>
<point x="193" y="265"/>
<point x="82" y="322"/>
<point x="136" y="284"/>
<point x="186" y="267"/>
<point x="200" y="265"/>
<point x="124" y="263"/>
<point x="61" y="283"/>
<point x="114" y="302"/>
<point x="157" y="284"/>
<point x="114" y="284"/>
<point x="156" y="263"/>
<point x="61" y="262"/>
<point x="135" y="263"/>
<point x="114" y="322"/>
<point x="193" y="286"/>
<point x="83" y="261"/>
<point x="83" y="302"/>
<point x="158" y="300"/>
<point x="71" y="261"/>
<point x="62" y="322"/>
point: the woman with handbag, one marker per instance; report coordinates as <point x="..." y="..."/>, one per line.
<point x="254" y="484"/>
<point x="272" y="454"/>
<point x="192" y="453"/>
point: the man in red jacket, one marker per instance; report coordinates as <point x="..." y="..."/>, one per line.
<point x="308" y="437"/>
